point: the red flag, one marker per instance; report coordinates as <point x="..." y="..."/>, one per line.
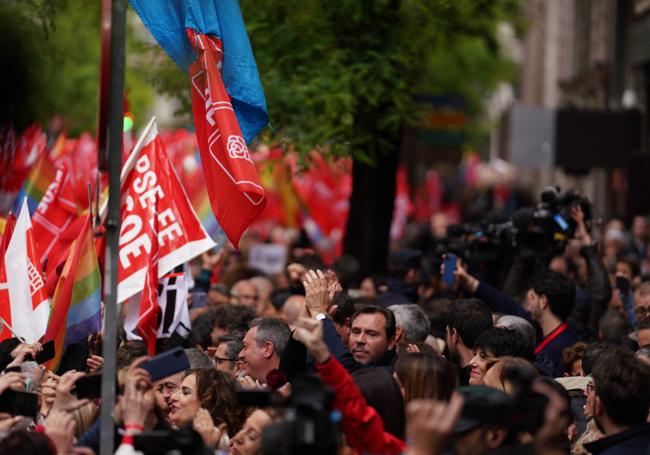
<point x="10" y="224"/>
<point x="235" y="192"/>
<point x="158" y="221"/>
<point x="54" y="214"/>
<point x="147" y="324"/>
<point x="5" y="308"/>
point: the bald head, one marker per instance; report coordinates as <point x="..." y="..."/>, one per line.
<point x="245" y="293"/>
<point x="292" y="308"/>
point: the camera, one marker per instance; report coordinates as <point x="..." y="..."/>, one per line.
<point x="310" y="425"/>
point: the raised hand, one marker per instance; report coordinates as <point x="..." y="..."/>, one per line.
<point x="581" y="228"/>
<point x="429" y="424"/>
<point x="204" y="425"/>
<point x="310" y="333"/>
<point x="23" y="351"/>
<point x="94" y="363"/>
<point x="11" y="380"/>
<point x="136" y="403"/>
<point x="64" y="401"/>
<point x="316" y="292"/>
<point x="59" y="427"/>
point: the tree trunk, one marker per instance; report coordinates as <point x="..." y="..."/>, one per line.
<point x="371" y="210"/>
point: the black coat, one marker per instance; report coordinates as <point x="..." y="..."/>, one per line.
<point x="634" y="441"/>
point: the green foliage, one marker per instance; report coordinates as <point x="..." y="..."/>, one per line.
<point x="341" y="76"/>
<point x="66" y="36"/>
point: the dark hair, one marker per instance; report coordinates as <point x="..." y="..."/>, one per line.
<point x="278" y="297"/>
<point x="202" y="329"/>
<point x="25" y="442"/>
<point x="559" y="291"/>
<point x="217" y="392"/>
<point x="234" y="345"/>
<point x="621" y="382"/>
<point x="381" y="391"/>
<point x="631" y="262"/>
<point x="348" y="271"/>
<point x="234" y="318"/>
<point x="273" y="330"/>
<point x="344" y="308"/>
<point x="505" y="342"/>
<point x="389" y="317"/>
<point x="614" y="326"/>
<point x="128" y="352"/>
<point x="425" y="376"/>
<point x="470" y="318"/>
<point x="592" y="354"/>
<point x="573" y="353"/>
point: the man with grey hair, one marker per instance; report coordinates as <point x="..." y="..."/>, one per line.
<point x="263" y="346"/>
<point x="412" y="323"/>
<point x="198" y="359"/>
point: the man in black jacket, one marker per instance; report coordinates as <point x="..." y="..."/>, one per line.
<point x="620" y="398"/>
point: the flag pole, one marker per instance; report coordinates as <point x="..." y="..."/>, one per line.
<point x="113" y="161"/>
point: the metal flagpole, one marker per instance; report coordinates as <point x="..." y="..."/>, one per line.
<point x="113" y="162"/>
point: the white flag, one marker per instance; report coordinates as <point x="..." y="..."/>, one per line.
<point x="30" y="306"/>
<point x="173" y="290"/>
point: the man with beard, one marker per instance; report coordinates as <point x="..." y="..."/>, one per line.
<point x="619" y="399"/>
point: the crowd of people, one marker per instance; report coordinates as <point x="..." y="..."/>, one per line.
<point x="334" y="361"/>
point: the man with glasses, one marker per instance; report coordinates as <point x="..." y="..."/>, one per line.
<point x="165" y="388"/>
<point x="619" y="399"/>
<point x="642" y="302"/>
<point x="226" y="357"/>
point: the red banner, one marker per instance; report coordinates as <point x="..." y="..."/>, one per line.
<point x="158" y="221"/>
<point x="54" y="214"/>
<point x="235" y="192"/>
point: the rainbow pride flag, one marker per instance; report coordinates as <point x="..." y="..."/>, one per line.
<point x="76" y="305"/>
<point x="40" y="177"/>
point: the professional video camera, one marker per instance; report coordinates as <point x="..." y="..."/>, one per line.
<point x="309" y="426"/>
<point x="537" y="231"/>
<point x="544" y="230"/>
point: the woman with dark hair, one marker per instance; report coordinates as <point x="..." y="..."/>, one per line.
<point x="425" y="376"/>
<point x="205" y="394"/>
<point x="382" y="392"/>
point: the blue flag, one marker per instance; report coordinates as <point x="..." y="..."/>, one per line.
<point x="167" y="21"/>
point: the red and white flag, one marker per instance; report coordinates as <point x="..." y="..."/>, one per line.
<point x="54" y="214"/>
<point x="28" y="302"/>
<point x="234" y="188"/>
<point x="160" y="229"/>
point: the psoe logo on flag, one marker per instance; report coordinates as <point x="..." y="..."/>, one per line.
<point x="35" y="280"/>
<point x="237" y="148"/>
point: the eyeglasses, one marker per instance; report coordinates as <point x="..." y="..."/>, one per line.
<point x="167" y="387"/>
<point x="223" y="359"/>
<point x="642" y="311"/>
<point x="591" y="387"/>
